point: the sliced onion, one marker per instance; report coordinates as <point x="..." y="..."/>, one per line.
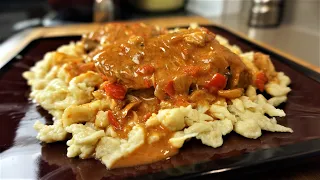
<point x="231" y="94"/>
<point x="132" y="98"/>
<point x="125" y="110"/>
<point x="135" y="116"/>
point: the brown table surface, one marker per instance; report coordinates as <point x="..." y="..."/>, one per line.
<point x="307" y="169"/>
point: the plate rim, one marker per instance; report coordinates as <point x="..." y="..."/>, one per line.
<point x="306" y="147"/>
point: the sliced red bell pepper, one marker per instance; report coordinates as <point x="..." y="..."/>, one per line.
<point x="115" y="90"/>
<point x="217" y="82"/>
<point x="169" y="88"/>
<point x="261" y="80"/>
<point x="113" y="121"/>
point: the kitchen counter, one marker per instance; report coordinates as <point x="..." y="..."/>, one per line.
<point x="296" y="40"/>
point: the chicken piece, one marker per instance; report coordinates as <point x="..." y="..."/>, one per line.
<point x="171" y="62"/>
<point x="112" y="33"/>
<point x="201" y="96"/>
<point x="263" y="63"/>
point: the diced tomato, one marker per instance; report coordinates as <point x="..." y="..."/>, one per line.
<point x="217" y="82"/>
<point x="145" y="70"/>
<point x="192" y="70"/>
<point x="113" y="121"/>
<point x="146" y="117"/>
<point x="115" y="90"/>
<point x="148" y="83"/>
<point x="169" y="88"/>
<point x="261" y="80"/>
<point x="181" y="101"/>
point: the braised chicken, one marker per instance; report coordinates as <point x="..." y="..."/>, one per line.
<point x="173" y="64"/>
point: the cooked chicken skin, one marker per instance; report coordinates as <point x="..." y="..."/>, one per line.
<point x="180" y="59"/>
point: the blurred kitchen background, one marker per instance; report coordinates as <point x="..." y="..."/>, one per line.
<point x="289" y="25"/>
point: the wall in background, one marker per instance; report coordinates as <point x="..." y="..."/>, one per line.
<point x="214" y="8"/>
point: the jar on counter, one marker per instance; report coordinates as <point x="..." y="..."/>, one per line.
<point x="266" y="13"/>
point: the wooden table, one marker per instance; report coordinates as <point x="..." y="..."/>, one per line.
<point x="308" y="170"/>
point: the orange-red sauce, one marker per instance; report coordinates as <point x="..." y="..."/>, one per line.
<point x="160" y="70"/>
<point x="184" y="58"/>
<point x="113" y="33"/>
<point x="149" y="153"/>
